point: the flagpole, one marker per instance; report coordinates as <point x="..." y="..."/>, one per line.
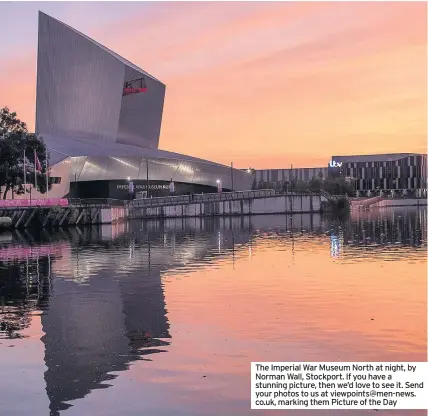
<point x="47" y="175"/>
<point x="25" y="175"/>
<point x="35" y="170"/>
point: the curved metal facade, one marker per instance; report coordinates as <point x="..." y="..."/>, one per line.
<point x="90" y="168"/>
<point x="94" y="133"/>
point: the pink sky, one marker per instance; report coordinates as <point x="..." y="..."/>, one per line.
<point x="260" y="84"/>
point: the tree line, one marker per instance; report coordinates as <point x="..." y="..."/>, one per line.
<point x="15" y="142"/>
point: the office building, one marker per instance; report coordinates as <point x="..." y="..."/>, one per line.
<point x="390" y="173"/>
<point x="396" y="173"/>
<point x="278" y="177"/>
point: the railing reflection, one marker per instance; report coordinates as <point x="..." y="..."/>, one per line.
<point x="25" y="286"/>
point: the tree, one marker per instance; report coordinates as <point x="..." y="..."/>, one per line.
<point x="298" y="185"/>
<point x="315" y="184"/>
<point x="9" y="123"/>
<point x="13" y="141"/>
<point x="334" y="186"/>
<point x="339" y="186"/>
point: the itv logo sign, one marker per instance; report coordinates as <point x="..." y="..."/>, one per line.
<point x="334" y="164"/>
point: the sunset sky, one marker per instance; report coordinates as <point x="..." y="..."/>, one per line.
<point x="264" y="85"/>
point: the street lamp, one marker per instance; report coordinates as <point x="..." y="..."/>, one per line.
<point x="219" y="188"/>
<point x="75" y="184"/>
<point x="147" y="177"/>
<point x="130" y="187"/>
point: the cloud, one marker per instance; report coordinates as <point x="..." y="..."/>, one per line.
<point x="269" y="84"/>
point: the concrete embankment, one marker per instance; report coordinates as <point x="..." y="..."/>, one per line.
<point x="56" y="216"/>
<point x="87" y="212"/>
<point x="382" y="202"/>
<point x="400" y="202"/>
<point x="239" y="205"/>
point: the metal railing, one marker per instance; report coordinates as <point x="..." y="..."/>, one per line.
<point x="215" y="197"/>
<point x="235" y="195"/>
<point x="330" y="197"/>
<point x="365" y="203"/>
<point x="99" y="201"/>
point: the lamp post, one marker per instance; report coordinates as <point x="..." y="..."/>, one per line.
<point x="147" y="176"/>
<point x="25" y="164"/>
<point x="47" y="173"/>
<point x="130" y="187"/>
<point x="75" y="184"/>
<point x="231" y="174"/>
<point x="219" y="187"/>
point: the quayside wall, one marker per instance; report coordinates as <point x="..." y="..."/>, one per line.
<point x="244" y="205"/>
<point x="88" y="212"/>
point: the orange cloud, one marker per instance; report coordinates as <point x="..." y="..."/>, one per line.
<point x="273" y="84"/>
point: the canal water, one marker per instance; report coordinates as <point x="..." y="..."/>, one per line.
<point x="164" y="318"/>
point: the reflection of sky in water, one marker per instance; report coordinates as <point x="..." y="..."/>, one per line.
<point x="214" y="296"/>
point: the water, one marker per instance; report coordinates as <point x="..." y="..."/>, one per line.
<point x="164" y="318"/>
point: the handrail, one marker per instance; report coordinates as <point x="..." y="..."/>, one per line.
<point x="98" y="201"/>
<point x="201" y="198"/>
<point x="366" y="203"/>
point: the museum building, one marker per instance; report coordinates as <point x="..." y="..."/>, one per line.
<point x="100" y="117"/>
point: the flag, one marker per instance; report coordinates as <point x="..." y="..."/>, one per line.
<point x="25" y="172"/>
<point x="37" y="163"/>
<point x="36" y="159"/>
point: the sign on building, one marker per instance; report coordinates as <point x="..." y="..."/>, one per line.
<point x="334" y="164"/>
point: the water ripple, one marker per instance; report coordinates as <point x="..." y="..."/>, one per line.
<point x="155" y="310"/>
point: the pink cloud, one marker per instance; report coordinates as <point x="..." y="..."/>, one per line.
<point x="271" y="84"/>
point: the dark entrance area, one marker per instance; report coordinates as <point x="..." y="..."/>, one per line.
<point x="121" y="189"/>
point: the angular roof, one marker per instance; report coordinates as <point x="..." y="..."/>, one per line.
<point x="120" y="58"/>
<point x="89" y="147"/>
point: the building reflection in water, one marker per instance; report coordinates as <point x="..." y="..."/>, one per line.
<point x="378" y="228"/>
<point x="25" y="284"/>
<point x="100" y="290"/>
<point x="336" y="244"/>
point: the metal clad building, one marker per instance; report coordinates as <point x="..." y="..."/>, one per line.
<point x="100" y="138"/>
<point x="397" y="171"/>
<point x="79" y="91"/>
<point x="386" y="172"/>
<point x="278" y="177"/>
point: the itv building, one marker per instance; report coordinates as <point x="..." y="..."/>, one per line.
<point x="100" y="117"/>
<point x="390" y="174"/>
